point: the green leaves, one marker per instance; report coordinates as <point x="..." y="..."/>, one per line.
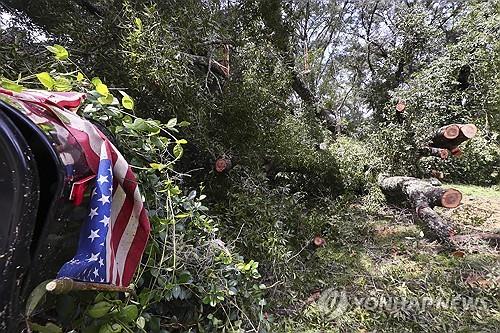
<point x="105" y="97"/>
<point x="127" y="101"/>
<point x="99" y="309"/>
<point x="61" y="83"/>
<point x="47" y="80"/>
<point x="129" y="313"/>
<point x="35" y="297"/>
<point x="11" y="85"/>
<point x="172" y="122"/>
<point x="111" y="328"/>
<point x="60" y="53"/>
<point x="47" y="328"/>
<point x="138" y="24"/>
<point x="102" y="89"/>
<point x="178" y="151"/>
<point x="141" y="125"/>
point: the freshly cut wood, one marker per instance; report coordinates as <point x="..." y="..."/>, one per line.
<point x="444" y="135"/>
<point x="319" y="241"/>
<point x="451" y="136"/>
<point x="400" y="107"/>
<point x="423" y="196"/>
<point x="468" y="130"/>
<point x="438" y="152"/>
<point x="456" y="151"/>
<point x="223" y="165"/>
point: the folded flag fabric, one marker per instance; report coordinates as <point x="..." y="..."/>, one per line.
<point x="114" y="236"/>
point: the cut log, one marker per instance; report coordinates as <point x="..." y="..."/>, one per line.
<point x="451" y="136"/>
<point x="223" y="165"/>
<point x="468" y="130"/>
<point x="438" y="152"/>
<point x="319" y="241"/>
<point x="400" y="107"/>
<point x="418" y="192"/>
<point x="423" y="196"/>
<point x="444" y="135"/>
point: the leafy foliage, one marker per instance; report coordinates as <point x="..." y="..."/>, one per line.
<point x="185" y="261"/>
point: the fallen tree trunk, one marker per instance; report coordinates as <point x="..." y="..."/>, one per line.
<point x="451" y="136"/>
<point x="418" y="192"/>
<point x="423" y="196"/>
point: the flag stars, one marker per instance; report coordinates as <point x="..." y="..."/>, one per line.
<point x="94" y="234"/>
<point x="93" y="257"/>
<point x="93" y="212"/>
<point x="102" y="179"/>
<point x="101" y="262"/>
<point x="105" y="220"/>
<point x="96" y="272"/>
<point x="104" y="199"/>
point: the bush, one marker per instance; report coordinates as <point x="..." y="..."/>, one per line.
<point x="189" y="276"/>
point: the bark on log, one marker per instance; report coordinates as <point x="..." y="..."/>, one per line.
<point x="451" y="136"/>
<point x="418" y="192"/>
<point x="422" y="197"/>
<point x="435" y="225"/>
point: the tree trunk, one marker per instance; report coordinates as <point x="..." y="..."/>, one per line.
<point x="279" y="34"/>
<point x="422" y="197"/>
<point x="418" y="192"/>
<point x="451" y="136"/>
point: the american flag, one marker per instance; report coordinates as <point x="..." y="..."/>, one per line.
<point x="90" y="261"/>
<point x="116" y="230"/>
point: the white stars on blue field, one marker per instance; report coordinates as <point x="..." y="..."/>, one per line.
<point x="89" y="263"/>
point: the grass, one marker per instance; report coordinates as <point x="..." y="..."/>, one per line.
<point x="476" y="191"/>
<point x="379" y="258"/>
